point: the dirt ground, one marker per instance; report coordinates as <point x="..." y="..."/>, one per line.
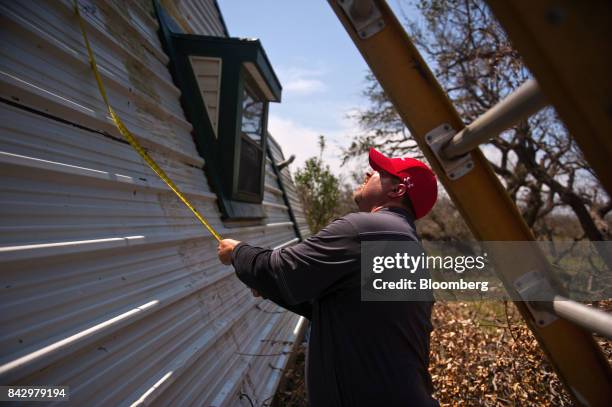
<point x="481" y="354"/>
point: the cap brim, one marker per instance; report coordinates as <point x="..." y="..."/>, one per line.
<point x="379" y="162"/>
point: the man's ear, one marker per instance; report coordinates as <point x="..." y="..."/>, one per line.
<point x="398" y="191"/>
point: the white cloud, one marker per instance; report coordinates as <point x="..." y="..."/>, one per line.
<point x="294" y="138"/>
<point x="304" y="86"/>
<point x="491" y="152"/>
<point x="303" y="141"/>
<point x="302" y="81"/>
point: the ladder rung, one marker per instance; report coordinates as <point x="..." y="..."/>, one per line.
<point x="522" y="103"/>
<point x="591" y="319"/>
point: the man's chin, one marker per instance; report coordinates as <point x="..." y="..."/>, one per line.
<point x="359" y="202"/>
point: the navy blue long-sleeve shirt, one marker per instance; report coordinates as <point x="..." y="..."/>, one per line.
<point x="360" y="353"/>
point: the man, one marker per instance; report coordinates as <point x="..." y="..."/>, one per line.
<point x="360" y="353"/>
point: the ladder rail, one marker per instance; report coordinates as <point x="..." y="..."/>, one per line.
<point x="566" y="45"/>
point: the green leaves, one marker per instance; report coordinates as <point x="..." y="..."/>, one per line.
<point x="319" y="190"/>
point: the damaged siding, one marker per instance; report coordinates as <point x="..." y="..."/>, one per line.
<point x="290" y="190"/>
<point x="109" y="285"/>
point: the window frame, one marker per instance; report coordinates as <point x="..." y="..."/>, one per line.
<point x="238" y="194"/>
<point x="244" y="66"/>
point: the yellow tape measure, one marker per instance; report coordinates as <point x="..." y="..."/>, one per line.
<point x="130" y="137"/>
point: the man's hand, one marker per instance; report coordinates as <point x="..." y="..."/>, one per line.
<point x="225" y="249"/>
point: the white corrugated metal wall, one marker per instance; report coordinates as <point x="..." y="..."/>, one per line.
<point x="290" y="190"/>
<point x="202" y="16"/>
<point x="109" y="284"/>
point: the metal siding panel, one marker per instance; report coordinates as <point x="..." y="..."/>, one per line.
<point x="202" y="16"/>
<point x="45" y="67"/>
<point x="290" y="189"/>
<point x="274" y="204"/>
<point x="110" y="285"/>
<point x="288" y="336"/>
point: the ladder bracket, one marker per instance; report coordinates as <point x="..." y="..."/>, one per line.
<point x="364" y="16"/>
<point x="531" y="288"/>
<point x="437" y="139"/>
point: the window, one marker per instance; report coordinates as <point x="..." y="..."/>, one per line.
<point x="252" y="114"/>
<point x="251" y="148"/>
<point x="250" y="162"/>
<point x="226" y="85"/>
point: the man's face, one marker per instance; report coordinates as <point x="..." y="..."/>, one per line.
<point x="374" y="191"/>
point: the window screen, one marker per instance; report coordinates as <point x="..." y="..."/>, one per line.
<point x="249" y="174"/>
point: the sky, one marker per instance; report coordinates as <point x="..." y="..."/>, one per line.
<point x="320" y="69"/>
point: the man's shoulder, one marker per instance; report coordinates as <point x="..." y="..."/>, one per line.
<point x="349" y="224"/>
<point x="358" y="216"/>
<point x="382" y="222"/>
<point x="356" y="219"/>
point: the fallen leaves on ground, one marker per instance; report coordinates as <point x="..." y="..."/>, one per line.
<point x="482" y="353"/>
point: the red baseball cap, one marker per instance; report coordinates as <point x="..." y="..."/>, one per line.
<point x="418" y="177"/>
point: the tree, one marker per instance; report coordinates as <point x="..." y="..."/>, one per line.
<point x="537" y="160"/>
<point x="323" y="197"/>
